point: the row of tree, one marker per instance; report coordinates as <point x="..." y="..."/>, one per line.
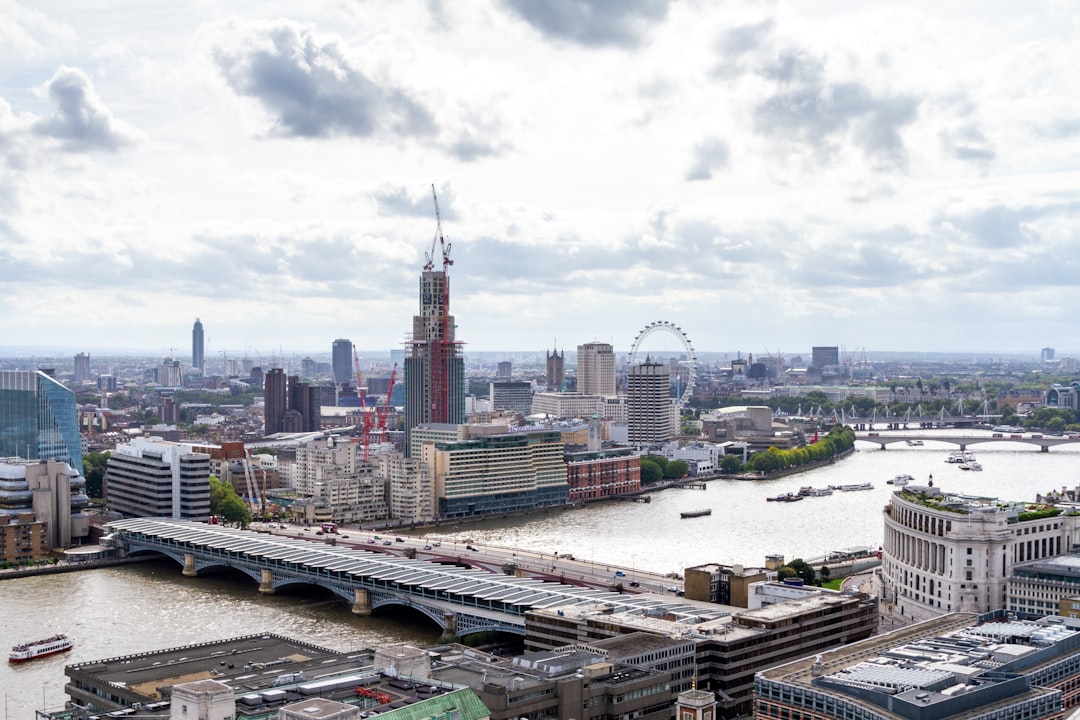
<point x="655" y="468"/>
<point x="839" y="440"/>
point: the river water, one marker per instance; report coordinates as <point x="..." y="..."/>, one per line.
<point x="131" y="609"/>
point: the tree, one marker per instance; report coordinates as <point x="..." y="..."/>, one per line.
<point x="676" y="469"/>
<point x="225" y="502"/>
<point x="731" y="464"/>
<point x="650" y="472"/>
<point x="94" y="466"/>
<point x="825" y="574"/>
<point x="660" y="461"/>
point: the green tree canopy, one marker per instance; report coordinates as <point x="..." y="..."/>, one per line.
<point x="225" y="502"/>
<point x="676" y="469"/>
<point x="94" y="467"/>
<point x="650" y="472"/>
<point x="731" y="464"/>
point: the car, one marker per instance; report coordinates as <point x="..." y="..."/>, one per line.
<point x="399" y="539"/>
<point x="427" y="547"/>
<point x="345" y="536"/>
<point x="635" y="583"/>
<point x="620" y="573"/>
<point x="378" y="537"/>
<point x="673" y="589"/>
<point x="387" y="542"/>
<point x="436" y="543"/>
<point x="318" y="532"/>
<point x="680" y="593"/>
<point x="470" y="547"/>
<point x="371" y="541"/>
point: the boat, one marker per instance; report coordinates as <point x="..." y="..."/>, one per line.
<point x="811" y="491"/>
<point x="854" y="487"/>
<point x="915" y="443"/>
<point x="696" y="513"/>
<point x="785" y="497"/>
<point x="955" y="457"/>
<point x="900" y="480"/>
<point x="40" y="648"/>
<point x="970" y="466"/>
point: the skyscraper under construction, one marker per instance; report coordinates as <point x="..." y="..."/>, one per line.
<point x="434" y="366"/>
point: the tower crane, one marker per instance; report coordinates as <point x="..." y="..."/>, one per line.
<point x="364" y="415"/>
<point x="444" y="247"/>
<point x="381" y="411"/>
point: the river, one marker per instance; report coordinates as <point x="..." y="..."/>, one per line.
<point x="135" y="608"/>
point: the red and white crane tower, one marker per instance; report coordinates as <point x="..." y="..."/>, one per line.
<point x="365" y="416"/>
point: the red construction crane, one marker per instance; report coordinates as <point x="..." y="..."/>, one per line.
<point x="365" y="415"/>
<point x="381" y="411"/>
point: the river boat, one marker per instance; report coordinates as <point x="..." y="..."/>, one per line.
<point x="956" y="457"/>
<point x="900" y="480"/>
<point x="811" y="491"/>
<point x="971" y="466"/>
<point x="696" y="513"/>
<point x="853" y="487"/>
<point x="915" y="443"/>
<point x="785" y="497"/>
<point x="40" y="648"/>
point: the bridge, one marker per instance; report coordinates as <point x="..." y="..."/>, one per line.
<point x="460" y="600"/>
<point x="963" y="441"/>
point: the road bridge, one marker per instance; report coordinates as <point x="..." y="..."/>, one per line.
<point x="883" y="440"/>
<point x="460" y="600"/>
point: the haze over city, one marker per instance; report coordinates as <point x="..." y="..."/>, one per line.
<point x="780" y="175"/>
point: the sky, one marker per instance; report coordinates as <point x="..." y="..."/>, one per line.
<point x="766" y="175"/>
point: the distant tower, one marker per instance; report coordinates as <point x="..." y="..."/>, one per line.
<point x="82" y="367"/>
<point x="555" y="371"/>
<point x="434" y="366"/>
<point x="504" y="370"/>
<point x="198" y="347"/>
<point x="341" y="361"/>
<point x="596" y="369"/>
<point x="649" y="407"/>
<point x="1047" y="354"/>
<point x="274" y="403"/>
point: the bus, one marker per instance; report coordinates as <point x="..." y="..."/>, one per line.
<point x="329" y="528"/>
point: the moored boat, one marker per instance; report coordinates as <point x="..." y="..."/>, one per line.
<point x="915" y="443"/>
<point x="696" y="513"/>
<point x="853" y="487"/>
<point x="40" y="648"/>
<point x="785" y="497"/>
<point x="900" y="480"/>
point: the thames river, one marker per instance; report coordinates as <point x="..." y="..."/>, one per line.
<point x="136" y="608"/>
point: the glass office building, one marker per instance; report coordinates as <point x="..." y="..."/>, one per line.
<point x="38" y="418"/>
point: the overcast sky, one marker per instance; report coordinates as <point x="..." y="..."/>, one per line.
<point x="888" y="176"/>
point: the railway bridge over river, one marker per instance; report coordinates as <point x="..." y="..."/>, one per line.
<point x="460" y="600"/>
<point x="1044" y="443"/>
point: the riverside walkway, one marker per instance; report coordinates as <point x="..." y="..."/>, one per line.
<point x="460" y="600"/>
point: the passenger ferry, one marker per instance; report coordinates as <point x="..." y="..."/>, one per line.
<point x="900" y="480"/>
<point x="40" y="648"/>
<point x="853" y="487"/>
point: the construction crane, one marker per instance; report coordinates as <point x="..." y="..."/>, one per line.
<point x="384" y="409"/>
<point x="253" y="496"/>
<point x="444" y="247"/>
<point x="362" y="394"/>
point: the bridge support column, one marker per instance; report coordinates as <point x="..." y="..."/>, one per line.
<point x="1045" y="448"/>
<point x="450" y="629"/>
<point x="361" y="602"/>
<point x="189" y="565"/>
<point x="266" y="587"/>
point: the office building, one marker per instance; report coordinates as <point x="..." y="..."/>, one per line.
<point x="1047" y="355"/>
<point x="596" y="369"/>
<point x="947" y="553"/>
<point x="304" y="399"/>
<point x="198" y="347"/>
<point x="82" y="368"/>
<point x="434" y="368"/>
<point x="600" y="473"/>
<point x="341" y="362"/>
<point x="513" y="396"/>
<point x="960" y="665"/>
<point x="556" y="375"/>
<point x="150" y="477"/>
<point x="38" y="418"/>
<point x="52" y="491"/>
<point x="651" y="412"/>
<point x="496" y="473"/>
<point x="169" y="374"/>
<point x="723" y="584"/>
<point x="504" y="370"/>
<point x="822" y="357"/>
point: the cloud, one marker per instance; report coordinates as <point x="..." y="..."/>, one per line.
<point x="742" y="39"/>
<point x="809" y="110"/>
<point x="399" y="200"/>
<point x="619" y="23"/>
<point x="82" y="122"/>
<point x="968" y="143"/>
<point x="312" y="86"/>
<point x="709" y="155"/>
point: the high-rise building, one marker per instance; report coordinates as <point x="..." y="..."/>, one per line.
<point x="341" y="361"/>
<point x="198" y="347"/>
<point x="53" y="492"/>
<point x="555" y="373"/>
<point x="824" y="356"/>
<point x="504" y="370"/>
<point x="150" y="477"/>
<point x="38" y="418"/>
<point x="515" y="396"/>
<point x="650" y="409"/>
<point x="1047" y="354"/>
<point x="274" y="401"/>
<point x="169" y="373"/>
<point x="434" y="369"/>
<point x="82" y="367"/>
<point x="596" y="369"/>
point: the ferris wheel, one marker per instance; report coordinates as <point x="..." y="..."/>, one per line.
<point x="687" y="372"/>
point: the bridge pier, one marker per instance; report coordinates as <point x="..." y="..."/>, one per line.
<point x="1044" y="448"/>
<point x="266" y="587"/>
<point x="189" y="565"/>
<point x="450" y="630"/>
<point x="361" y="602"/>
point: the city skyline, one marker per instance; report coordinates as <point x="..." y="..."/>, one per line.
<point x="780" y="176"/>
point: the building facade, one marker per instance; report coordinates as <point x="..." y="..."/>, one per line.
<point x="945" y="554"/>
<point x="596" y="369"/>
<point x="198" y="347"/>
<point x="38" y="418"/>
<point x="150" y="477"/>
<point x="341" y="362"/>
<point x="511" y="395"/>
<point x="556" y="373"/>
<point x="275" y="401"/>
<point x="602" y="473"/>
<point x="82" y="368"/>
<point x="52" y="491"/>
<point x="650" y="409"/>
<point x="434" y="368"/>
